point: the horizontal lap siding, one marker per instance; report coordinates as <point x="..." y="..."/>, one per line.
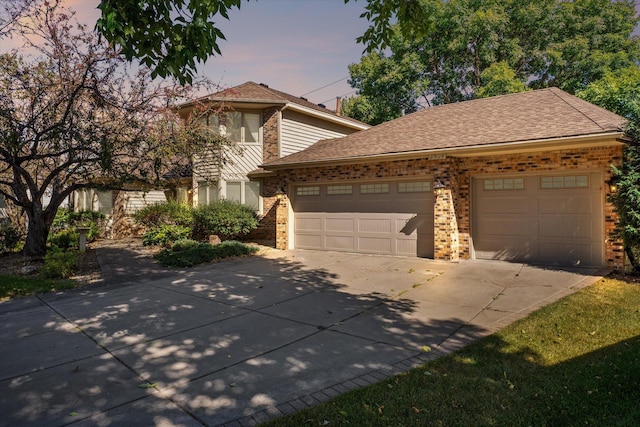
<point x="299" y="132"/>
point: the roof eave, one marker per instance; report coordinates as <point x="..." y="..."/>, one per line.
<point x="326" y="116"/>
<point x="512" y="147"/>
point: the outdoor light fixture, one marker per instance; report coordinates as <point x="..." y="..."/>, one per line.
<point x="613" y="187"/>
<point x="438" y="187"/>
<point x="280" y="193"/>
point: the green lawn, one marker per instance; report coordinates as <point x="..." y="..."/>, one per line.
<point x="16" y="286"/>
<point x="573" y="363"/>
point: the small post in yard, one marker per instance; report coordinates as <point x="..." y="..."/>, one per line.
<point x="82" y="245"/>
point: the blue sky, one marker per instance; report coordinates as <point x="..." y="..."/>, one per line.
<point x="296" y="46"/>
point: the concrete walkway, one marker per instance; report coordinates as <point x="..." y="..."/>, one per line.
<point x="242" y="341"/>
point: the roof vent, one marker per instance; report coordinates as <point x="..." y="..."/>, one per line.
<point x="322" y="105"/>
<point x="265" y="85"/>
<point x="303" y="98"/>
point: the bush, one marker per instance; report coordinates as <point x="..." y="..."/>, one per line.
<point x="65" y="239"/>
<point x="225" y="218"/>
<point x="183" y="245"/>
<point x="190" y="253"/>
<point x="59" y="264"/>
<point x="67" y="219"/>
<point x="10" y="236"/>
<point x="170" y="212"/>
<point x="165" y="235"/>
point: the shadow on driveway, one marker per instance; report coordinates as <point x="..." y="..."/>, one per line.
<point x="239" y="341"/>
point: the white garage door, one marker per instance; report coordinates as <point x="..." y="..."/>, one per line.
<point x="549" y="219"/>
<point x="393" y="218"/>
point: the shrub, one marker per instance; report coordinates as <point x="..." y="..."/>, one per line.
<point x="225" y="218"/>
<point x="10" y="236"/>
<point x="59" y="264"/>
<point x="164" y="235"/>
<point x="189" y="254"/>
<point x="65" y="239"/>
<point x="170" y="212"/>
<point x="183" y="245"/>
<point x="67" y="219"/>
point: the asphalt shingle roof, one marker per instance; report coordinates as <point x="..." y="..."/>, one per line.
<point x="258" y="92"/>
<point x="527" y="116"/>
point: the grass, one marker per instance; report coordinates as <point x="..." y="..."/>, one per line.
<point x="573" y="363"/>
<point x="17" y="286"/>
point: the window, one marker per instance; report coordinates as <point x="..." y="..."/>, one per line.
<point x="245" y="192"/>
<point x="339" y="189"/>
<point x="312" y="190"/>
<point x="414" y="187"/>
<point x="504" y="184"/>
<point x="88" y="199"/>
<point x="238" y="126"/>
<point x="568" y="181"/>
<point x="207" y="193"/>
<point x="374" y="188"/>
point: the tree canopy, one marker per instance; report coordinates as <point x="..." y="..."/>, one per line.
<point x="620" y="93"/>
<point x="73" y="116"/>
<point x="470" y="48"/>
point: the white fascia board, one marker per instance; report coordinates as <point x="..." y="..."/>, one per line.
<point x="325" y="116"/>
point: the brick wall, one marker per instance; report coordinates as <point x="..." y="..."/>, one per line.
<point x="456" y="174"/>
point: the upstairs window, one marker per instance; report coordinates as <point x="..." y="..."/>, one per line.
<point x="238" y="126"/>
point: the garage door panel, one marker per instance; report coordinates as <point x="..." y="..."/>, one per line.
<point x="339" y="243"/>
<point x="504" y="226"/>
<point x="308" y="223"/>
<point x="574" y="253"/>
<point x="520" y="249"/>
<point x="556" y="227"/>
<point x="539" y="224"/>
<point x="407" y="247"/>
<point x="309" y="241"/>
<point x="566" y="206"/>
<point x="376" y="245"/>
<point x="505" y="205"/>
<point x="339" y="224"/>
<point x="374" y="225"/>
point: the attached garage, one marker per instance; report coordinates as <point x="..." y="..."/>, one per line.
<point x="524" y="177"/>
<point x="554" y="219"/>
<point x="391" y="218"/>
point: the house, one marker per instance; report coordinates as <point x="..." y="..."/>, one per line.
<point x="265" y="125"/>
<point x="522" y="177"/>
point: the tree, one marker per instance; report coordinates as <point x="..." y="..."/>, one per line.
<point x="620" y="93"/>
<point x="470" y="48"/>
<point x="72" y="116"/>
<point x="166" y="35"/>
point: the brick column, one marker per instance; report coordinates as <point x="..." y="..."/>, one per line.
<point x="282" y="223"/>
<point x="445" y="228"/>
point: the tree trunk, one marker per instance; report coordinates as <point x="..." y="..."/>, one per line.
<point x="37" y="234"/>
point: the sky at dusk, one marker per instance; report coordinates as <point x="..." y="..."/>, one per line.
<point x="296" y="46"/>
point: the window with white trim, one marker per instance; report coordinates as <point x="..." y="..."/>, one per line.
<point x="89" y="199"/>
<point x="334" y="190"/>
<point x="566" y="181"/>
<point x="374" y="188"/>
<point x="308" y="190"/>
<point x="239" y="126"/>
<point x="504" y="184"/>
<point x="245" y="192"/>
<point x="414" y="187"/>
<point x="207" y="193"/>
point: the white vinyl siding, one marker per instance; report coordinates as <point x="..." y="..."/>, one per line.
<point x="299" y="132"/>
<point x="136" y="200"/>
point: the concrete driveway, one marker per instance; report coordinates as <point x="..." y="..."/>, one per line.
<point x="241" y="341"/>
